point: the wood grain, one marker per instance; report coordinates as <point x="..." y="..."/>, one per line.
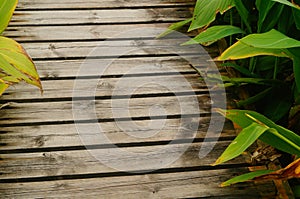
<point x="66" y="135"/>
<point x="130" y="159"/>
<point x="112" y="48"/>
<point x="109" y="87"/>
<point x="100" y="4"/>
<point x="193" y="184"/>
<point x="82" y="17"/>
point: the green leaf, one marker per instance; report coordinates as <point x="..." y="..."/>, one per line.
<point x="270" y="40"/>
<point x="239" y="68"/>
<point x="245" y="177"/>
<point x="296" y="14"/>
<point x="272" y="18"/>
<point x="206" y="10"/>
<point x="213" y="34"/>
<point x="258" y="81"/>
<point x="174" y="27"/>
<point x="240" y="50"/>
<point x="254" y="98"/>
<point x="263" y="7"/>
<point x="270" y="43"/>
<point x="245" y="139"/>
<point x="277" y="136"/>
<point x="286" y="20"/>
<point x="295" y="53"/>
<point x="15" y="62"/>
<point x="7" y="8"/>
<point x="277" y="103"/>
<point x="286" y="2"/>
<point x="244" y="13"/>
<point x="3" y="87"/>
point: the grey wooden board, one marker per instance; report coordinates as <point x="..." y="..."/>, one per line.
<point x="104" y="109"/>
<point x="76" y="32"/>
<point x="70" y="68"/>
<point x="67" y="4"/>
<point x="112" y="48"/>
<point x="193" y="184"/>
<point x="65" y="135"/>
<point x="59" y="163"/>
<point x="109" y="87"/>
<point x="67" y="17"/>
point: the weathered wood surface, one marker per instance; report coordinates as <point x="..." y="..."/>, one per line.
<point x="103" y="4"/>
<point x="66" y="135"/>
<point x="83" y="17"/>
<point x="188" y="184"/>
<point x="42" y="154"/>
<point x="65" y="33"/>
<point x="108" y="48"/>
<point x="107" y="86"/>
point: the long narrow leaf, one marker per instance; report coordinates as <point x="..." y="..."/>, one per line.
<point x="254" y="98"/>
<point x="245" y="177"/>
<point x="295" y="52"/>
<point x="213" y="34"/>
<point x="272" y="18"/>
<point x="291" y="141"/>
<point x="244" y="13"/>
<point x="7" y="8"/>
<point x="286" y="2"/>
<point x="3" y="87"/>
<point x="206" y="10"/>
<point x="174" y="27"/>
<point x="241" y="69"/>
<point x="270" y="40"/>
<point x="245" y="139"/>
<point x="15" y="62"/>
<point x="263" y="7"/>
<point x="240" y="50"/>
<point x="296" y="15"/>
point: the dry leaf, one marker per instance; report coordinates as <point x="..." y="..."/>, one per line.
<point x="291" y="171"/>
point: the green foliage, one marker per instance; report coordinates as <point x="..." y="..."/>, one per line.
<point x="213" y="34"/>
<point x="15" y="63"/>
<point x="267" y="54"/>
<point x="206" y="10"/>
<point x="257" y="126"/>
<point x="7" y="8"/>
<point x="245" y="139"/>
<point x="245" y="177"/>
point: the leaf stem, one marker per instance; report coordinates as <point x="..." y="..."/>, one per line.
<point x="275" y="68"/>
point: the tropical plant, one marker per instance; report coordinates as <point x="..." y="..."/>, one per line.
<point x="267" y="55"/>
<point x="15" y="63"/>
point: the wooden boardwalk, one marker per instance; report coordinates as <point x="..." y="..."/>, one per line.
<point x="42" y="153"/>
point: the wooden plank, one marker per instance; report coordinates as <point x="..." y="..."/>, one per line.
<point x="65" y="135"/>
<point x="193" y="184"/>
<point x="69" y="68"/>
<point x="67" y="17"/>
<point x="108" y="87"/>
<point x="110" y="48"/>
<point x="76" y="32"/>
<point x="86" y="32"/>
<point x="77" y="4"/>
<point x="132" y="159"/>
<point x="106" y="109"/>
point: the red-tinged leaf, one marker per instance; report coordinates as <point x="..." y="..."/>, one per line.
<point x="291" y="171"/>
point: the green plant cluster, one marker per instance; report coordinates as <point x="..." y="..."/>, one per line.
<point x="263" y="39"/>
<point x="15" y="63"/>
